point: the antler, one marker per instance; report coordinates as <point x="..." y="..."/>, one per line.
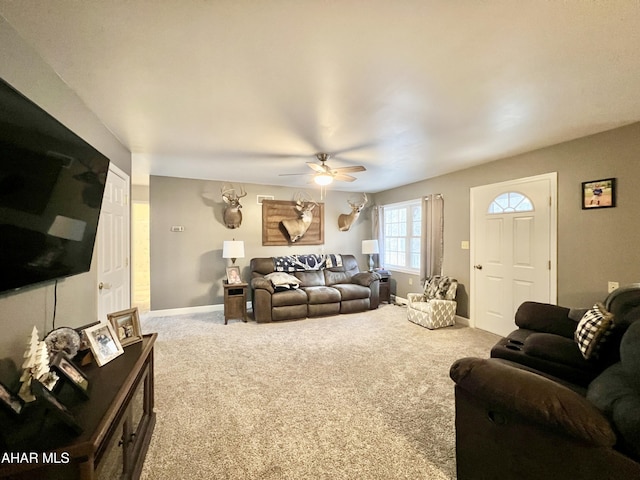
<point x="358" y="205"/>
<point x="231" y="192"/>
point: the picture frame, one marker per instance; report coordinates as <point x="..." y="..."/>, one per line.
<point x="233" y="275"/>
<point x="104" y="342"/>
<point x="50" y="403"/>
<point x="10" y="402"/>
<point x="84" y="341"/>
<point x="71" y="373"/>
<point x="599" y="194"/>
<point x="126" y="324"/>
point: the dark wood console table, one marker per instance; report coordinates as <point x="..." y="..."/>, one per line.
<point x="117" y="423"/>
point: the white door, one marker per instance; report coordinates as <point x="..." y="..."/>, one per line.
<point x="113" y="245"/>
<point x="513" y="230"/>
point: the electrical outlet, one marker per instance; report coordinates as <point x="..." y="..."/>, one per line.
<point x="611" y="286"/>
<point x="410" y="281"/>
<point x="464" y="245"/>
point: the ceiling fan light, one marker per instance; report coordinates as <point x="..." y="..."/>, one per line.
<point x="323" y="179"/>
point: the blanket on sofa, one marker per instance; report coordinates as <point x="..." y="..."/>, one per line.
<point x="298" y="263"/>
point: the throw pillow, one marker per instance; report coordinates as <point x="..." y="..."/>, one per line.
<point x="593" y="330"/>
<point x="441" y="288"/>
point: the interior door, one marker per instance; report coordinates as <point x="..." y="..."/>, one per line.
<point x="513" y="249"/>
<point x="113" y="245"/>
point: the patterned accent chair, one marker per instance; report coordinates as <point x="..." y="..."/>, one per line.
<point x="436" y="307"/>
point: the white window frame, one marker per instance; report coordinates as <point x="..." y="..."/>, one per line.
<point x="386" y="209"/>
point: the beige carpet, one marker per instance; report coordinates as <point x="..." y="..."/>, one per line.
<point x="360" y="396"/>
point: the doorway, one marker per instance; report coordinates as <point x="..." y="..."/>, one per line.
<point x="114" y="271"/>
<point x="514" y="249"/>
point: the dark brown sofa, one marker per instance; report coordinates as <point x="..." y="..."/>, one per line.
<point x="539" y="410"/>
<point x="322" y="292"/>
<point x="545" y="337"/>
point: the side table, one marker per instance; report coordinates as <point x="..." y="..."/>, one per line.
<point x="235" y="301"/>
<point x="385" y="285"/>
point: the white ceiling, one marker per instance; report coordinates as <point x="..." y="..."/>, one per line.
<point x="246" y="90"/>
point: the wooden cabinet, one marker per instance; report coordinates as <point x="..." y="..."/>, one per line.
<point x="235" y="301"/>
<point x="117" y="423"/>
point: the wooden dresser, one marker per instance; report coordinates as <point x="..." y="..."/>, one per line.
<point x="117" y="422"/>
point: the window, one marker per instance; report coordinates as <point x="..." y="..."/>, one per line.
<point x="402" y="224"/>
<point x="510" y="202"/>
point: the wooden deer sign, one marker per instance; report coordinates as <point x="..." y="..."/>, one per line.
<point x="232" y="215"/>
<point x="297" y="227"/>
<point x="346" y="220"/>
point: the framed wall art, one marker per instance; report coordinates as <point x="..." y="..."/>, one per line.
<point x="104" y="342"/>
<point x="599" y="194"/>
<point x="126" y="324"/>
<point x="273" y="231"/>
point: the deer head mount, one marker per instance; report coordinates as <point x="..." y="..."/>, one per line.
<point x="297" y="227"/>
<point x="232" y="215"/>
<point x="346" y="220"/>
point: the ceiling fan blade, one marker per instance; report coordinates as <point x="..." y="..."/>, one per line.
<point x="344" y="178"/>
<point x="316" y="167"/>
<point x="355" y="168"/>
<point x="290" y="174"/>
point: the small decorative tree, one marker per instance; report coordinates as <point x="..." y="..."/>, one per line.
<point x="35" y="365"/>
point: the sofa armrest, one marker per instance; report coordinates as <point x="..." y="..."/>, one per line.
<point x="415" y="297"/>
<point x="262" y="283"/>
<point x="533" y="398"/>
<point x="365" y="278"/>
<point x="546" y="318"/>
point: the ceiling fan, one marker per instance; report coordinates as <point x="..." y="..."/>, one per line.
<point x="325" y="174"/>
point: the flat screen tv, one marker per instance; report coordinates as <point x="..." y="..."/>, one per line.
<point x="51" y="187"/>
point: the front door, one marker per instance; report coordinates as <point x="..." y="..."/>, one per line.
<point x="113" y="245"/>
<point x="513" y="249"/>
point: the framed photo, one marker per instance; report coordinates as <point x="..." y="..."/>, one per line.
<point x="233" y="275"/>
<point x="126" y="324"/>
<point x="104" y="343"/>
<point x="84" y="341"/>
<point x="599" y="194"/>
<point x="71" y="373"/>
<point x="52" y="404"/>
<point x="9" y="401"/>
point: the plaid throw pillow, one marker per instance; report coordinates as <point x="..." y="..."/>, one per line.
<point x="593" y="330"/>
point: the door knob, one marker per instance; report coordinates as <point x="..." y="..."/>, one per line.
<point x="478" y="267"/>
<point x="105" y="286"/>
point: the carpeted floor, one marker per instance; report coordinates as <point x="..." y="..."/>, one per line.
<point x="360" y="396"/>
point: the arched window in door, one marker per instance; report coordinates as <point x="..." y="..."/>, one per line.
<point x="510" y="202"/>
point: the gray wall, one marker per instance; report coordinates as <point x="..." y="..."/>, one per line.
<point x="594" y="246"/>
<point x="187" y="268"/>
<point x="21" y="67"/>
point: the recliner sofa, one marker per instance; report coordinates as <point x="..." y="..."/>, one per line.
<point x="541" y="413"/>
<point x="323" y="291"/>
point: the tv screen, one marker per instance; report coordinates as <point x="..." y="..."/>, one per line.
<point x="51" y="187"/>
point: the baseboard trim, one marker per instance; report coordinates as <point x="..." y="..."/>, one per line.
<point x="185" y="310"/>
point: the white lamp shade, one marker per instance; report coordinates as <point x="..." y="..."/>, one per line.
<point x="370" y="247"/>
<point x="233" y="249"/>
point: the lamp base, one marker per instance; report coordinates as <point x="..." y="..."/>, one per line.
<point x="370" y="262"/>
